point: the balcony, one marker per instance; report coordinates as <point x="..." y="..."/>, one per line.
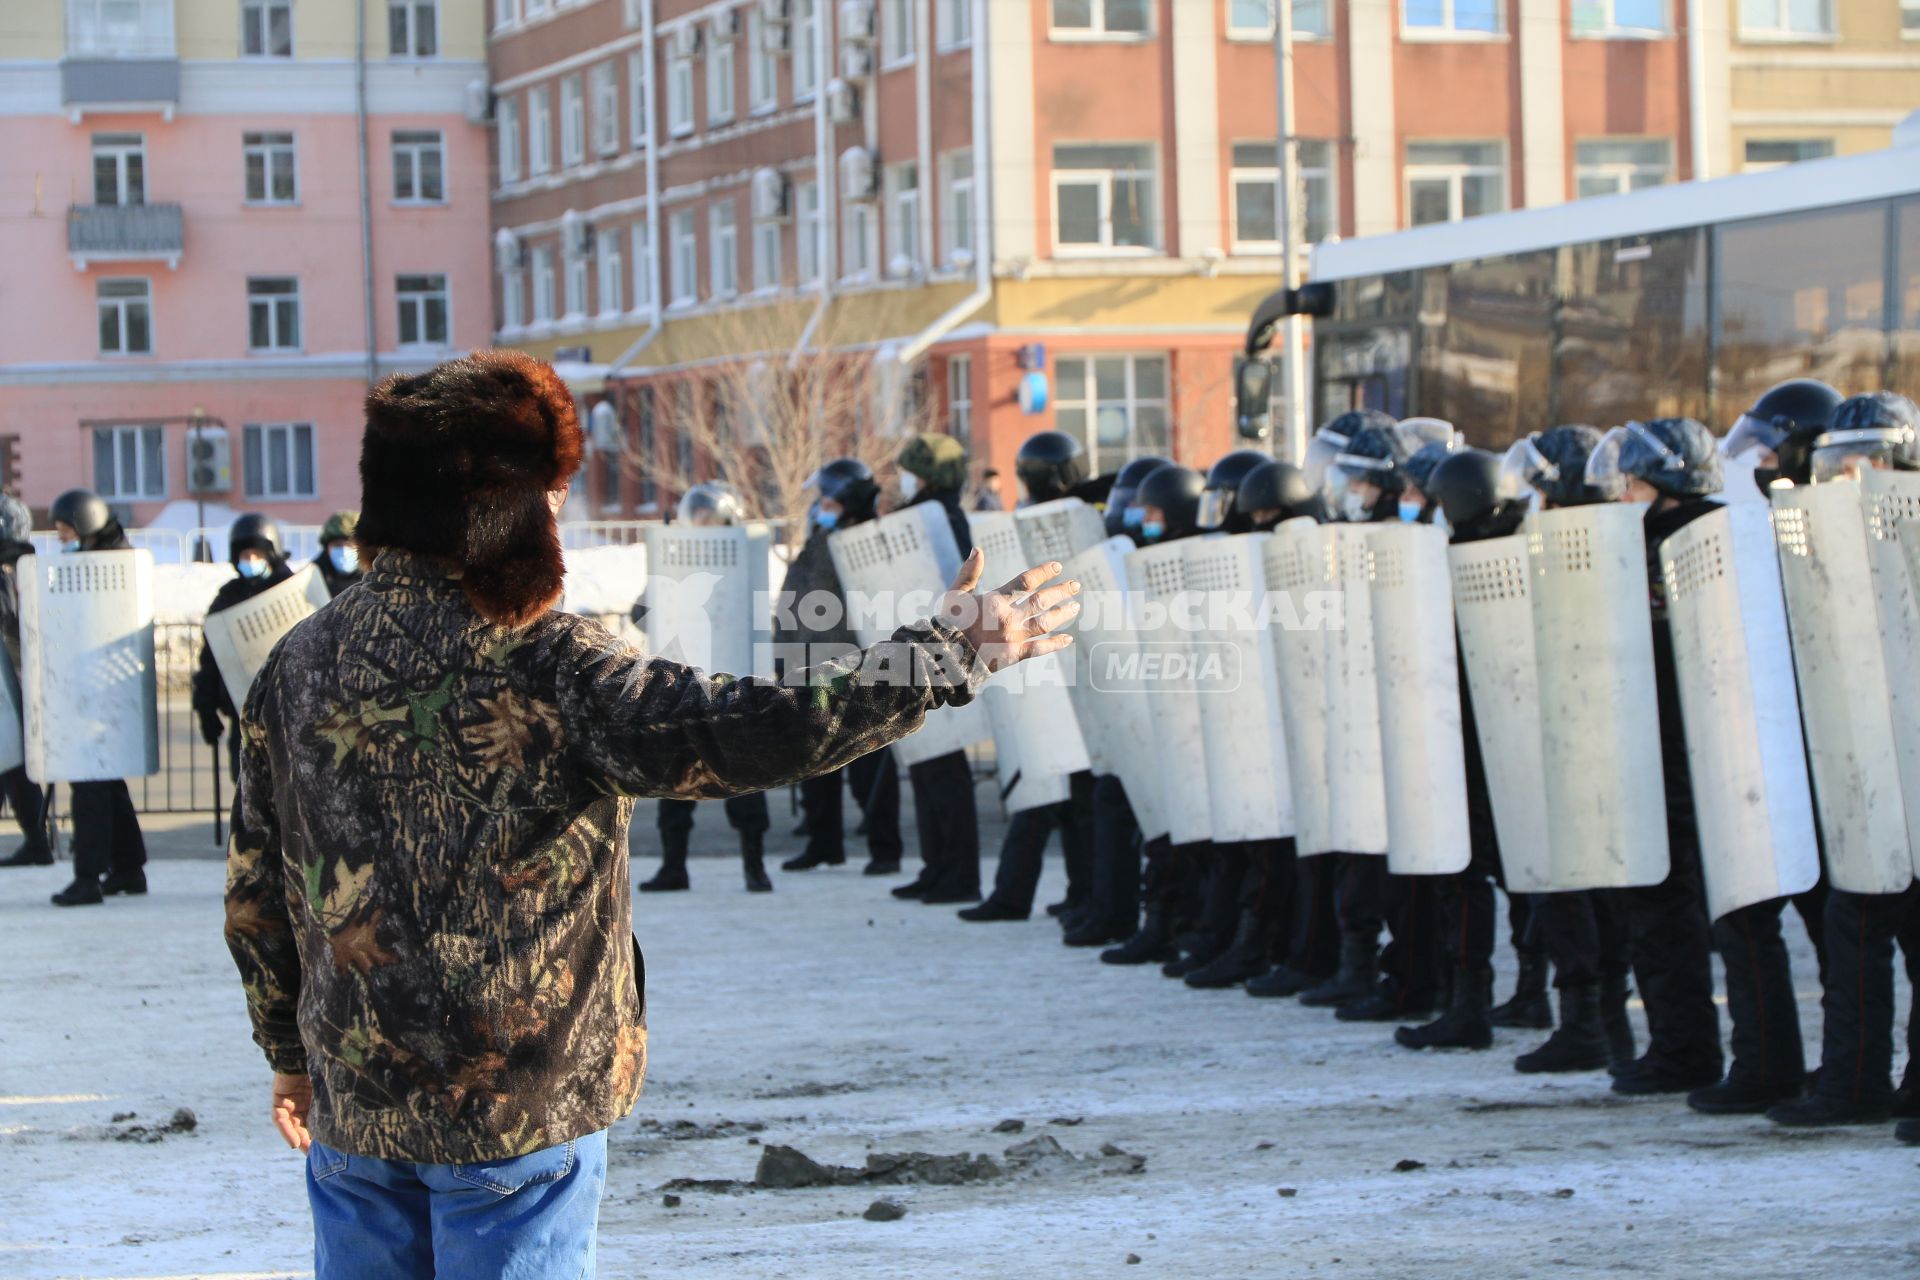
<point x="125" y="233"/>
<point x="119" y="85"/>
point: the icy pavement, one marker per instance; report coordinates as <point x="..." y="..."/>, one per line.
<point x="834" y="1020"/>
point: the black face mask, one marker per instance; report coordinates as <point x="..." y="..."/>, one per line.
<point x="1764" y="478"/>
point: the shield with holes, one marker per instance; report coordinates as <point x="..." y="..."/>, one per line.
<point x="1417" y="674"/>
<point x="1295" y="565"/>
<point x="242" y="636"/>
<point x="87" y="667"/>
<point x="706" y="593"/>
<point x="1356" y="782"/>
<point x="892" y="572"/>
<point x="1892" y="501"/>
<point x="1165" y="673"/>
<point x="1115" y="721"/>
<point x="1820" y="532"/>
<point x="1058" y="530"/>
<point x="1745" y="753"/>
<point x="1237" y="684"/>
<point x="1493" y="609"/>
<point x="1036" y="735"/>
<point x="1599" y="707"/>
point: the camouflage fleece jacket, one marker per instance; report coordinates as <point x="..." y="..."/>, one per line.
<point x="427" y="886"/>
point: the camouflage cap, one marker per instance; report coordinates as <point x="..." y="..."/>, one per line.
<point x="939" y="460"/>
<point x="340" y="527"/>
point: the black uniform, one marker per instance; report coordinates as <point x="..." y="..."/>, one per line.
<point x="211" y="701"/>
<point x="944" y="811"/>
<point x="106" y="829"/>
<point x="27" y="799"/>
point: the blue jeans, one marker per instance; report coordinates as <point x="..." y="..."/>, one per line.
<point x="534" y="1217"/>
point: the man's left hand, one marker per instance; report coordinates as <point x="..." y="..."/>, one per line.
<point x="1011" y="624"/>
<point x="292" y="1095"/>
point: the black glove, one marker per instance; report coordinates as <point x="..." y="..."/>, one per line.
<point x="210" y="728"/>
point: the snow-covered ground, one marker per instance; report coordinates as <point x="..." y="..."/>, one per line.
<point x="845" y="1022"/>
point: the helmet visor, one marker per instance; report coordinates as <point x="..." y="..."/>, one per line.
<point x="1843" y="455"/>
<point x="1321" y="451"/>
<point x="1431" y="431"/>
<point x="1215" y="506"/>
<point x="1603" y="465"/>
<point x="1524" y="469"/>
<point x="1352" y="485"/>
<point x="1751" y="433"/>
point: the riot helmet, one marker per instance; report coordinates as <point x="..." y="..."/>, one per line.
<point x="1050" y="464"/>
<point x="1169" y="500"/>
<point x="1123" y="516"/>
<point x="340" y="527"/>
<point x="1553" y="464"/>
<point x="1471" y="491"/>
<point x="1217" y="506"/>
<point x="1780" y="412"/>
<point x="83" y="511"/>
<point x="1416" y="500"/>
<point x="847" y="492"/>
<point x="1878" y="431"/>
<point x="714" y="502"/>
<point x="1367" y="477"/>
<point x="1333" y="437"/>
<point x="255" y="532"/>
<point x="1676" y="456"/>
<point x="1273" y="492"/>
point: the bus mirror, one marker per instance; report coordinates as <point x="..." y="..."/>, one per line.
<point x="1253" y="403"/>
<point x="1273" y="308"/>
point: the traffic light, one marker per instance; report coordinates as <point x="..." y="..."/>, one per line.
<point x="209" y="461"/>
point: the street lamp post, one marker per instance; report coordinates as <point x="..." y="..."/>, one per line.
<point x="1293" y="346"/>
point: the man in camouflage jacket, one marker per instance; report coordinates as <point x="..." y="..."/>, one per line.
<point x="427" y="890"/>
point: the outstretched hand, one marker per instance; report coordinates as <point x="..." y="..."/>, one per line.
<point x="1011" y="624"/>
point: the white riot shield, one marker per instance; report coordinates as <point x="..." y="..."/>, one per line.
<point x="1892" y="500"/>
<point x="1418" y="678"/>
<point x="1845" y="705"/>
<point x="13" y="742"/>
<point x="1356" y="782"/>
<point x="1157" y="576"/>
<point x="1296" y="559"/>
<point x="893" y="570"/>
<point x="1599" y="708"/>
<point x="1249" y="793"/>
<point x="1494" y="613"/>
<point x="1116" y="723"/>
<point x="1737" y="694"/>
<point x="1036" y="737"/>
<point x="705" y="585"/>
<point x="86" y="633"/>
<point x="241" y="637"/>
<point x="1058" y="530"/>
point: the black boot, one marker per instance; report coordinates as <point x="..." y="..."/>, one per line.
<point x="132" y="883"/>
<point x="808" y="861"/>
<point x="34" y="853"/>
<point x="753" y="862"/>
<point x="1282" y="982"/>
<point x="876" y="867"/>
<point x="1202" y="951"/>
<point x="1579" y="1045"/>
<point x="1358" y="974"/>
<point x="1614" y="1022"/>
<point x="83" y="892"/>
<point x="1908" y="1131"/>
<point x="1741" y="1095"/>
<point x="1816" y="1110"/>
<point x="1096" y="933"/>
<point x="1529" y="1007"/>
<point x="1244" y="958"/>
<point x="672" y="876"/>
<point x="1466" y="1024"/>
<point x="1152" y="943"/>
<point x="1388" y="1003"/>
<point x="991" y="910"/>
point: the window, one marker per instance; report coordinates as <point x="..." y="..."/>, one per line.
<point x="956" y="205"/>
<point x="649" y="491"/>
<point x="1764" y="153"/>
<point x="418" y="173"/>
<point x="1448" y="181"/>
<point x="119" y="168"/>
<point x="723" y="248"/>
<point x="273" y="314"/>
<point x="413" y="28"/>
<point x="806" y="53"/>
<point x="960" y="398"/>
<point x="606" y="110"/>
<point x="1910" y="18"/>
<point x="1098" y="19"/>
<point x="1255" y="179"/>
<point x="612" y="269"/>
<point x="1453" y="17"/>
<point x="683" y="266"/>
<point x="505" y="13"/>
<point x="903" y="218"/>
<point x="266" y="28"/>
<point x="423" y="310"/>
<point x="953" y="23"/>
<point x="1103" y="197"/>
<point x="720" y="79"/>
<point x="806" y="233"/>
<point x="1116" y="405"/>
<point x="573" y="122"/>
<point x="279" y="460"/>
<point x="512" y="297"/>
<point x="1253" y="19"/>
<point x="766" y="255"/>
<point x="544" y="301"/>
<point x="1633" y="19"/>
<point x="896" y="32"/>
<point x="508" y="124"/>
<point x="270" y="168"/>
<point x="126" y="317"/>
<point x="130" y="462"/>
<point x="576" y="285"/>
<point x="680" y="96"/>
<point x="763" y="81"/>
<point x="858" y="231"/>
<point x="637" y="98"/>
<point x="535" y="8"/>
<point x="539" y="132"/>
<point x="120" y="28"/>
<point x="1785" y="19"/>
<point x="1609" y="166"/>
<point x="642" y="267"/>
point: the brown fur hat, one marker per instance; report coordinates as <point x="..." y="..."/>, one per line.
<point x="456" y="465"/>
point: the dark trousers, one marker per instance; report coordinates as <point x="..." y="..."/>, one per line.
<point x="1313" y="942"/>
<point x="1025" y="846"/>
<point x="947" y="823"/>
<point x="29" y="804"/>
<point x="1761" y="1005"/>
<point x="1856" y="1056"/>
<point x="106" y="830"/>
<point x="1116" y="855"/>
<point x="1267" y="888"/>
<point x="745" y="814"/>
<point x="1584" y="933"/>
<point x="1672" y="946"/>
<point x="876" y="788"/>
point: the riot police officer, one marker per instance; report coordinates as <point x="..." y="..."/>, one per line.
<point x="1051" y="464"/>
<point x="1780" y="430"/>
<point x="339" y="560"/>
<point x="1219" y="509"/>
<point x="706" y="505"/>
<point x="257" y="552"/>
<point x="27" y="799"/>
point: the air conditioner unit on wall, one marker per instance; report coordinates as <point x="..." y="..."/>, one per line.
<point x="769" y="194"/>
<point x="479" y="102"/>
<point x="858" y="174"/>
<point x="856" y="19"/>
<point x="686" y="40"/>
<point x="843" y="102"/>
<point x="209" y="461"/>
<point x="856" y="60"/>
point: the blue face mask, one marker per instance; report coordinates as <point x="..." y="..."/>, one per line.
<point x="1132" y="517"/>
<point x="827" y="519"/>
<point x="345" y="559"/>
<point x="1152" y="530"/>
<point x="70" y="547"/>
<point x="252" y="568"/>
<point x="1410" y="512"/>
